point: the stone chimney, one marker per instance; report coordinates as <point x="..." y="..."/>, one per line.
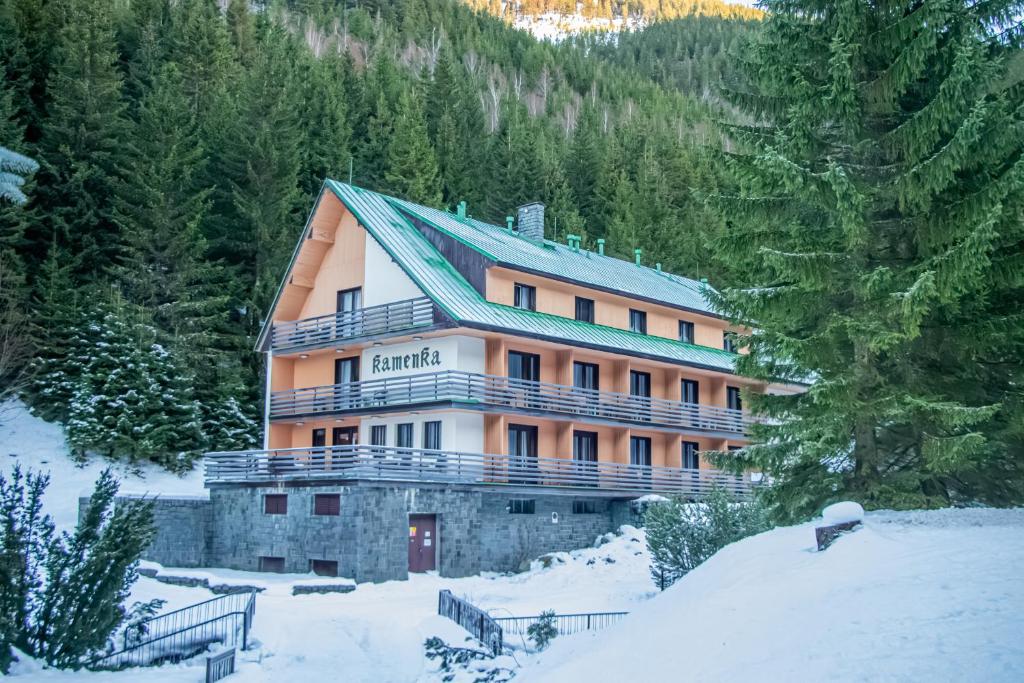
<point x="531" y="221"/>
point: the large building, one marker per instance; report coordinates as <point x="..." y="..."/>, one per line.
<point x="448" y="394"/>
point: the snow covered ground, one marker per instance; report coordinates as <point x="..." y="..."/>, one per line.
<point x="39" y="446"/>
<point x="910" y="596"/>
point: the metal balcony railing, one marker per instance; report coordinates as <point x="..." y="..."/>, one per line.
<point x="371" y="321"/>
<point x="502" y="392"/>
<point x="414" y="465"/>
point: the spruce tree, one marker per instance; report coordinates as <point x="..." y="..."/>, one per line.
<point x="412" y="165"/>
<point x="876" y="234"/>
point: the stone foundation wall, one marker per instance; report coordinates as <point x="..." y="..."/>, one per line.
<point x="476" y="531"/>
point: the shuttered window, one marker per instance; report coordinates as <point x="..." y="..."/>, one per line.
<point x="272" y="564"/>
<point x="275" y="504"/>
<point x="328" y="504"/>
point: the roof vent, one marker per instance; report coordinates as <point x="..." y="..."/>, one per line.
<point x="461" y="210"/>
<point x="600" y="246"/>
<point x="531" y="221"/>
<point x="508" y="222"/>
<point x="574" y="241"/>
<point x="636" y="255"/>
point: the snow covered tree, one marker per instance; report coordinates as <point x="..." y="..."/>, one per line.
<point x="13" y="169"/>
<point x="877" y="232"/>
<point x="681" y="535"/>
<point x="132" y="398"/>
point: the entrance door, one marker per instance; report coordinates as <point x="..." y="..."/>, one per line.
<point x="422" y="543"/>
<point x="345" y="436"/>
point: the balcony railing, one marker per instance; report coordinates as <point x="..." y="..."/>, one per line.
<point x="412" y="465"/>
<point x="371" y="321"/>
<point x="502" y="392"/>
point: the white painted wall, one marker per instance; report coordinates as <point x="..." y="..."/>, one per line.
<point x="454" y="352"/>
<point x="462" y="432"/>
<point x="384" y="281"/>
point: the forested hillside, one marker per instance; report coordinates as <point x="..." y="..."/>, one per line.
<point x="650" y="10"/>
<point x="181" y="145"/>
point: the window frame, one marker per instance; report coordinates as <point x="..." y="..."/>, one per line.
<point x="264" y="560"/>
<point x="584" y="507"/>
<point x="313" y="563"/>
<point x="356" y="294"/>
<point x="332" y="505"/>
<point x="589" y="308"/>
<point x="733" y="398"/>
<point x="641" y="316"/>
<point x="403" y="427"/>
<point x="275" y="507"/>
<point x="691" y="332"/>
<point x="522" y="506"/>
<point x="689" y="448"/>
<point x="519" y="290"/>
<point x="428" y="426"/>
<point x="728" y="343"/>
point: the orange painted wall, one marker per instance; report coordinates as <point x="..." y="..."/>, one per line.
<point x="559" y="298"/>
<point x="342" y="267"/>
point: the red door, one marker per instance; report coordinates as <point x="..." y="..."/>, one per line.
<point x="422" y="543"/>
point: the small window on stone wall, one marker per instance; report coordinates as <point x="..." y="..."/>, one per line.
<point x="584" y="507"/>
<point x="520" y="506"/>
<point x="272" y="564"/>
<point x="275" y="504"/>
<point x="324" y="567"/>
<point x="327" y="504"/>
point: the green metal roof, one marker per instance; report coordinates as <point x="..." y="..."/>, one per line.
<point x="440" y="281"/>
<point x="589" y="268"/>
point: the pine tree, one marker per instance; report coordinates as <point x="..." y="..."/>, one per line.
<point x="412" y="165"/>
<point x="82" y="144"/>
<point x="876" y="235"/>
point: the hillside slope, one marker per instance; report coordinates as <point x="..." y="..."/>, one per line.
<point x="910" y="596"/>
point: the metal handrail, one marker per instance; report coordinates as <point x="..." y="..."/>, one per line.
<point x="566" y="624"/>
<point x="469" y="387"/>
<point x="389" y="463"/>
<point x="324" y="330"/>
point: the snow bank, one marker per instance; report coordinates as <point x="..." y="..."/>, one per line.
<point x="40" y="446"/>
<point x="842" y="513"/>
<point x="912" y="596"/>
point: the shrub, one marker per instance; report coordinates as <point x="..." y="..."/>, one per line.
<point x="543" y="631"/>
<point x="62" y="594"/>
<point x="682" y="535"/>
<point x="466" y="663"/>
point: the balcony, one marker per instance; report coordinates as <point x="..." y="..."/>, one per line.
<point x="361" y="324"/>
<point x="470" y="390"/>
<point x="419" y="466"/>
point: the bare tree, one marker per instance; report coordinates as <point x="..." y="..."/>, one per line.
<point x="472" y="61"/>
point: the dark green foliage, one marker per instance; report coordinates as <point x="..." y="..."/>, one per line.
<point x="682" y="535"/>
<point x="469" y="660"/>
<point x="543" y="631"/>
<point x="62" y="594"/>
<point x="877" y="232"/>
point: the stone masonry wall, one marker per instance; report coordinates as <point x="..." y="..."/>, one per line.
<point x="183" y="531"/>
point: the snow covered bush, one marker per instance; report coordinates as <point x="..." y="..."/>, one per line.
<point x="682" y="535"/>
<point x="467" y="664"/>
<point x="61" y="596"/>
<point x="543" y="631"/>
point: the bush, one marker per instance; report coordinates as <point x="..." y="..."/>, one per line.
<point x="62" y="595"/>
<point x="682" y="535"/>
<point x="543" y="631"/>
<point x="466" y="663"/>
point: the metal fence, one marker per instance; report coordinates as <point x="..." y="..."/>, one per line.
<point x="183" y="633"/>
<point x="506" y="392"/>
<point x="371" y="321"/>
<point x="414" y="465"/>
<point x="470" y="617"/>
<point x="566" y="624"/>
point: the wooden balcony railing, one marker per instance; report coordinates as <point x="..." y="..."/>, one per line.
<point x="412" y="465"/>
<point x="371" y="321"/>
<point x="502" y="392"/>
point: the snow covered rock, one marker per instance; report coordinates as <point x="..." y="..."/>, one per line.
<point x="846" y="511"/>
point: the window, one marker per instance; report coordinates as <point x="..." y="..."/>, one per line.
<point x="585" y="375"/>
<point x="350" y="300"/>
<point x="640" y="383"/>
<point x="324" y="567"/>
<point x="584" y="309"/>
<point x="275" y="504"/>
<point x="403" y="437"/>
<point x="584" y="446"/>
<point x="524" y="366"/>
<point x="733" y="400"/>
<point x="584" y="507"/>
<point x="344" y="436"/>
<point x="522" y="453"/>
<point x="525" y="296"/>
<point x="685" y="331"/>
<point x="319" y="438"/>
<point x="327" y="504"/>
<point x="640" y="451"/>
<point x="432" y="435"/>
<point x="379" y="437"/>
<point x="728" y="343"/>
<point x="272" y="564"/>
<point x="637" y="321"/>
<point x="346" y="370"/>
<point x="690" y="459"/>
<point x="690" y="391"/>
<point x="520" y="506"/>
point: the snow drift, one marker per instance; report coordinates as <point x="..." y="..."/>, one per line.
<point x="910" y="596"/>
